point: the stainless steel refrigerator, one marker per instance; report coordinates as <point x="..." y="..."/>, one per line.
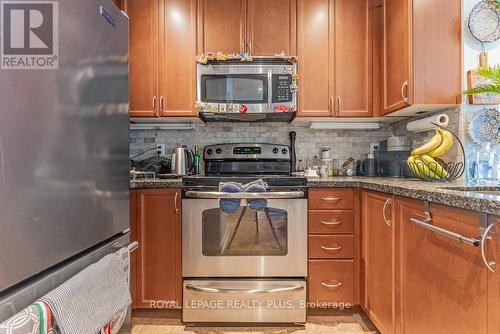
<point x="64" y="145"/>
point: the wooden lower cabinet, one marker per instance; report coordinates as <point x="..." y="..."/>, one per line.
<point x="331" y="281"/>
<point x="443" y="283"/>
<point x="156" y="266"/>
<point x="378" y="258"/>
<point x="493" y="256"/>
<point x="334" y="247"/>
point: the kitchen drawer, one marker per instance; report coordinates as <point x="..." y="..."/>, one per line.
<point x="331" y="198"/>
<point x="331" y="281"/>
<point x="331" y="221"/>
<point x="331" y="246"/>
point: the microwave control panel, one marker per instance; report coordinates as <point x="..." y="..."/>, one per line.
<point x="282" y="91"/>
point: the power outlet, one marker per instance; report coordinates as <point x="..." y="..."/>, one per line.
<point x="160" y="149"/>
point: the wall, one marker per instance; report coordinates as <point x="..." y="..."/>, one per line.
<point x="344" y="144"/>
<point x="471" y="50"/>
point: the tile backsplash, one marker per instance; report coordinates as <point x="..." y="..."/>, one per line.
<point x="343" y="143"/>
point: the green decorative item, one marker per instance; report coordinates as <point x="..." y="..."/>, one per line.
<point x="491" y="85"/>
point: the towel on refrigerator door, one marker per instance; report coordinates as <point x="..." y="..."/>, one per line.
<point x="34" y="319"/>
<point x="93" y="298"/>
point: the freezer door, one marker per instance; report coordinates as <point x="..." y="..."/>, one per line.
<point x="64" y="144"/>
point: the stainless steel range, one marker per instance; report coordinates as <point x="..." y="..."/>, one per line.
<point x="249" y="264"/>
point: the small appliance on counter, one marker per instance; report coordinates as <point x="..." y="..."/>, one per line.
<point x="182" y="161"/>
<point x="369" y="166"/>
<point x="392" y="155"/>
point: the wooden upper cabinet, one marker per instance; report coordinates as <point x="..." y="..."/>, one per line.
<point x="396" y="52"/>
<point x="143" y="56"/>
<point x="158" y="260"/>
<point x="162" y="50"/>
<point x="378" y="235"/>
<point x="315" y="47"/>
<point x="271" y="27"/>
<point x="443" y="282"/>
<point x="177" y="58"/>
<point x="221" y="26"/>
<point x="353" y="56"/>
<point x="421" y="54"/>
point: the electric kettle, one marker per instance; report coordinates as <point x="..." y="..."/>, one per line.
<point x="182" y="161"/>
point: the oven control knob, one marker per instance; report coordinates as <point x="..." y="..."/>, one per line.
<point x="218" y="150"/>
<point x="210" y="151"/>
<point x="284" y="151"/>
<point x="275" y="150"/>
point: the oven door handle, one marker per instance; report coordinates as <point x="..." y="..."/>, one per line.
<point x="244" y="291"/>
<point x="244" y="195"/>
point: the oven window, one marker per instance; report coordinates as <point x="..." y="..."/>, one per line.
<point x="245" y="232"/>
<point x="234" y="88"/>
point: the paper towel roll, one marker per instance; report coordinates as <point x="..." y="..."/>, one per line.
<point x="425" y="124"/>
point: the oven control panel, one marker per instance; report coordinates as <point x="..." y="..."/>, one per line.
<point x="246" y="151"/>
<point x="282" y="91"/>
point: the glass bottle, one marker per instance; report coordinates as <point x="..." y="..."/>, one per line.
<point x="487" y="166"/>
<point x="471" y="164"/>
<point x="300" y="167"/>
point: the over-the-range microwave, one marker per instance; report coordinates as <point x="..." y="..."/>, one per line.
<point x="264" y="89"/>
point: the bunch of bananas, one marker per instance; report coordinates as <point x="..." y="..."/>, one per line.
<point x="425" y="160"/>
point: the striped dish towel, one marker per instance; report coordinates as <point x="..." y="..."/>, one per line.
<point x="90" y="300"/>
<point x="35" y="319"/>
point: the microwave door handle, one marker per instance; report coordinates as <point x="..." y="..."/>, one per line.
<point x="270" y="90"/>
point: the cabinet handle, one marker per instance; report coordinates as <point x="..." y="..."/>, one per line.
<point x="250" y="47"/>
<point x="330" y="106"/>
<point x="404" y="89"/>
<point x="491" y="265"/>
<point x="154" y="106"/>
<point x="332" y="286"/>
<point x="387" y="221"/>
<point x="339" y="105"/>
<point x="331" y="249"/>
<point x="175" y="202"/>
<point x="331" y="199"/>
<point x="333" y="222"/>
<point x="161" y="105"/>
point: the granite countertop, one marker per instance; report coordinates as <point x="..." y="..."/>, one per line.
<point x="412" y="188"/>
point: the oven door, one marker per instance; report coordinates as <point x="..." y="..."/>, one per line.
<point x="245" y="243"/>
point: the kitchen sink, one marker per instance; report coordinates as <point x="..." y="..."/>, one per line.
<point x="476" y="189"/>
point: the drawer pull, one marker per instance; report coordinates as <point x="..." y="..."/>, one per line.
<point x="332" y="249"/>
<point x="333" y="222"/>
<point x="331" y="199"/>
<point x="332" y="286"/>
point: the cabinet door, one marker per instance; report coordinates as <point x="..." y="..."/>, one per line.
<point x="271" y="27"/>
<point x="315" y="51"/>
<point x="493" y="256"/>
<point x="396" y="54"/>
<point x="378" y="254"/>
<point x="143" y="52"/>
<point x="159" y="253"/>
<point x="177" y="57"/>
<point x="443" y="282"/>
<point x="353" y="57"/>
<point x="221" y="26"/>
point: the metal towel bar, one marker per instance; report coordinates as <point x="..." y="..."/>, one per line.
<point x="442" y="231"/>
<point x="133" y="246"/>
